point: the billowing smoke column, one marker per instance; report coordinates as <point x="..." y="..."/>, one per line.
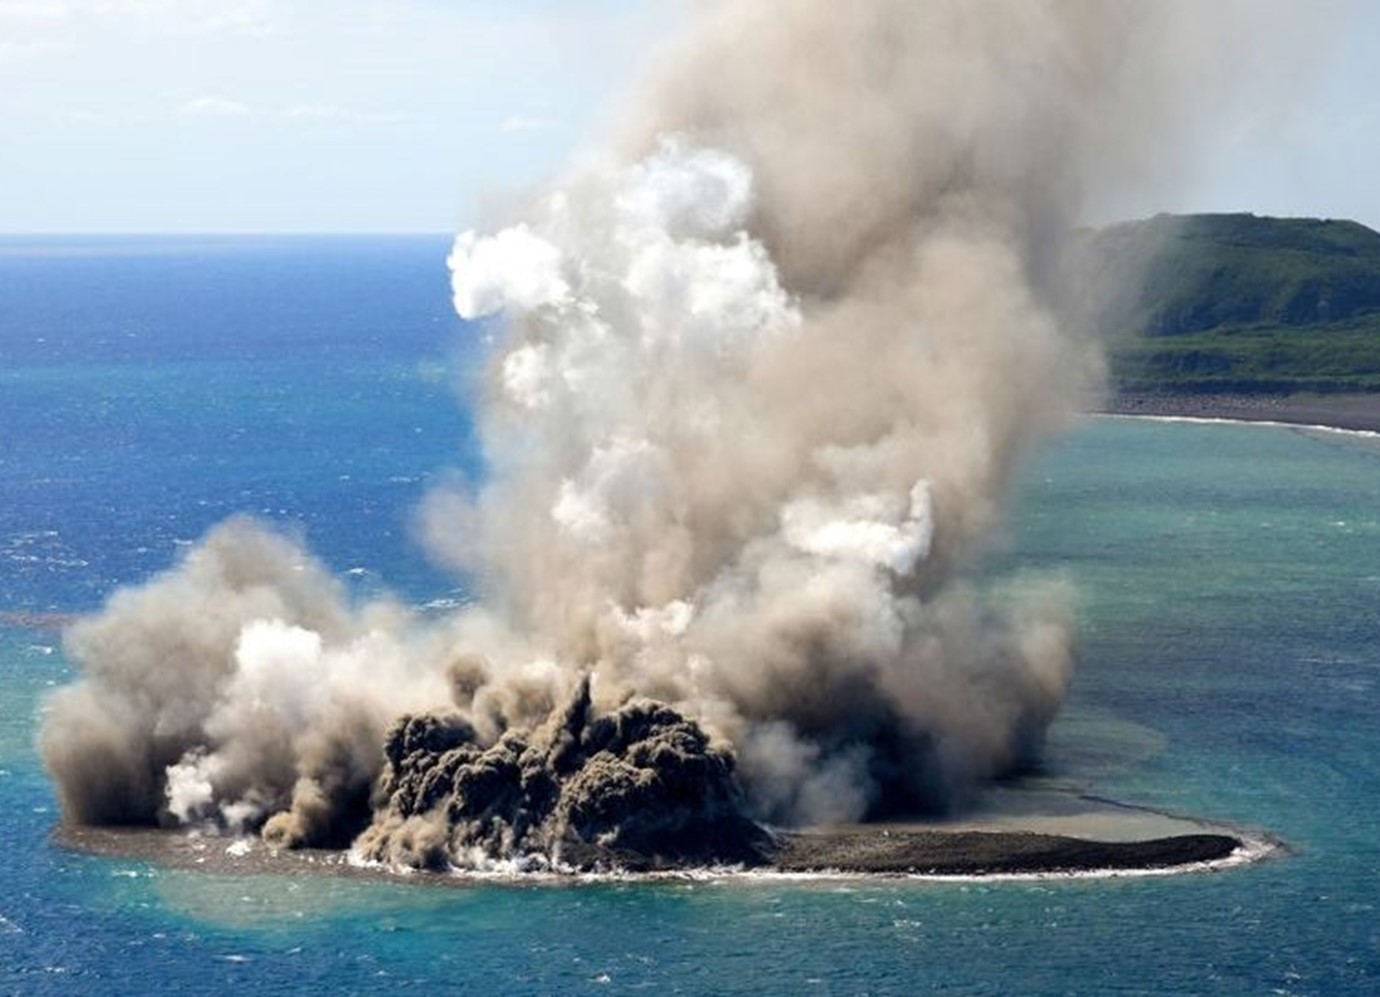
<point x="733" y="498"/>
<point x="760" y="378"/>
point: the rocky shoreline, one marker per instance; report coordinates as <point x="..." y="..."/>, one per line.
<point x="1341" y="411"/>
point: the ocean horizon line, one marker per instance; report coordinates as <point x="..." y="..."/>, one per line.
<point x="232" y="234"/>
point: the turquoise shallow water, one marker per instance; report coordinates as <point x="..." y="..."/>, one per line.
<point x="1227" y="577"/>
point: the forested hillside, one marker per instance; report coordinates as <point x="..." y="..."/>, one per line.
<point x="1234" y="303"/>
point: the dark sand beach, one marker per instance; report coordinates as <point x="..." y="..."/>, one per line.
<point x="916" y="851"/>
<point x="1339" y="411"/>
<point x="1031" y="830"/>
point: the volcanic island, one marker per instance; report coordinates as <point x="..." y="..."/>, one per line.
<point x="644" y="792"/>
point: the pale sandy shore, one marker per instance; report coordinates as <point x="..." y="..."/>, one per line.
<point x="1341" y="411"/>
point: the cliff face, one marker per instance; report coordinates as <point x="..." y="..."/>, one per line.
<point x="1235" y="303"/>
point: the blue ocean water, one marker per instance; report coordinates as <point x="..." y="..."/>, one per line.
<point x="1228" y="579"/>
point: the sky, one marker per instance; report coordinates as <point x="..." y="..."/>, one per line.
<point x="430" y="115"/>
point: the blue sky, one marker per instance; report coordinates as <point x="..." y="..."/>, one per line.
<point x="423" y="115"/>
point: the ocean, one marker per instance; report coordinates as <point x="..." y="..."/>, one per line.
<point x="1227" y="579"/>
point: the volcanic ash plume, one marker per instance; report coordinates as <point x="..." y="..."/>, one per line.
<point x="758" y="384"/>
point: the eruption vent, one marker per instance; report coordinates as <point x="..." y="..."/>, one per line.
<point x="762" y="373"/>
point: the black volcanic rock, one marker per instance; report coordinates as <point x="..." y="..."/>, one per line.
<point x="642" y="787"/>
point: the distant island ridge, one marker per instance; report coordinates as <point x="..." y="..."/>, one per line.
<point x="1235" y="316"/>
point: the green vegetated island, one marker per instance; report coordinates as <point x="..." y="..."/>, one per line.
<point x="1234" y="314"/>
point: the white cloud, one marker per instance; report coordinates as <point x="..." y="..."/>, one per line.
<point x="515" y="269"/>
<point x="218" y="15"/>
<point x="86" y="117"/>
<point x="333" y="112"/>
<point x="328" y="79"/>
<point x="521" y="123"/>
<point x="12" y="50"/>
<point x="215" y="107"/>
<point x="34" y="10"/>
<point x="170" y="16"/>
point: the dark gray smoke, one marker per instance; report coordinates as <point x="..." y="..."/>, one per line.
<point x="641" y="787"/>
<point x="765" y="372"/>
